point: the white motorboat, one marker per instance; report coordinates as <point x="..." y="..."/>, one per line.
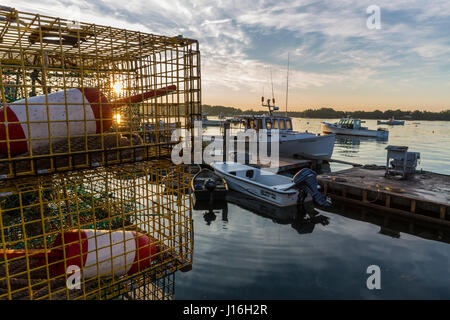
<point x="291" y="143"/>
<point x="265" y="185"/>
<point x="392" y="122"/>
<point x="352" y="127"/>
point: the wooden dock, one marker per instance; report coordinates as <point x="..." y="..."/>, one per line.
<point x="425" y="196"/>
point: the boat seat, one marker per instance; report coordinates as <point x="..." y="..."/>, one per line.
<point x="284" y="187"/>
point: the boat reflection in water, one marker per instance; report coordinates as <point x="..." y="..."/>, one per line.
<point x="302" y="218"/>
<point x="211" y="209"/>
<point x="356" y="141"/>
<point x="350" y="145"/>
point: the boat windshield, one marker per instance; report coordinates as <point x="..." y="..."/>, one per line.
<point x="350" y="123"/>
<point x="346" y="123"/>
<point x="269" y="123"/>
<point x="275" y="123"/>
<point x="251" y="124"/>
<point x="288" y="124"/>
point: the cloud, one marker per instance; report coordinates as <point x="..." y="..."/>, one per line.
<point x="329" y="42"/>
<point x="215" y="22"/>
<point x="432" y="50"/>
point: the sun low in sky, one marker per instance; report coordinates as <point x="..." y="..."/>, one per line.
<point x="338" y="57"/>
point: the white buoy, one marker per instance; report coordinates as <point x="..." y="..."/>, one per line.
<point x="96" y="252"/>
<point x="59" y="115"/>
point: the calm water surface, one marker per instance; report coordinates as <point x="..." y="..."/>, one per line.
<point x="254" y="251"/>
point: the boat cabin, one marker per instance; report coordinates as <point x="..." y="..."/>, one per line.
<point x="268" y="122"/>
<point x="350" y="123"/>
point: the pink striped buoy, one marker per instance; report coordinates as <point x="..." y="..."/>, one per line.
<point x="87" y="111"/>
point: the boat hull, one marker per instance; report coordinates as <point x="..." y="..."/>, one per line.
<point x="310" y="147"/>
<point x="329" y="128"/>
<point x="392" y="123"/>
<point x="316" y="147"/>
<point x="212" y="123"/>
<point x="204" y="195"/>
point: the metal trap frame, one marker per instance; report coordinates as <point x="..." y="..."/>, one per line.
<point x="109" y="224"/>
<point x="76" y="95"/>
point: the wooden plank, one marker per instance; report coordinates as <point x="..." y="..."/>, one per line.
<point x="442" y="213"/>
<point x="346" y="162"/>
<point x="413" y="206"/>
<point x="364" y="195"/>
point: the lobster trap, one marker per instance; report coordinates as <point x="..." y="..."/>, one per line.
<point x="145" y="286"/>
<point x="78" y="95"/>
<point x="83" y="234"/>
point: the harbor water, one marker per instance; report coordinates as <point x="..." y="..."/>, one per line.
<point x="252" y="251"/>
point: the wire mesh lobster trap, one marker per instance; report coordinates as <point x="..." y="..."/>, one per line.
<point x="76" y="95"/>
<point x="79" y="234"/>
<point x="152" y="285"/>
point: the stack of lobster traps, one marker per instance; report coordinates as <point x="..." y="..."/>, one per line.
<point x="91" y="207"/>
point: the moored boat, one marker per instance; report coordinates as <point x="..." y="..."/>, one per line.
<point x="207" y="185"/>
<point x="392" y="122"/>
<point x="291" y="143"/>
<point x="352" y="127"/>
<point x="265" y="185"/>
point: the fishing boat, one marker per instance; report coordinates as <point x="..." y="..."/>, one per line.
<point x="352" y="127"/>
<point x="291" y="143"/>
<point x="210" y="123"/>
<point x="273" y="188"/>
<point x="207" y="185"/>
<point x="392" y="122"/>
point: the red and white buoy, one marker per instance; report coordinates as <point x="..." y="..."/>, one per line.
<point x="96" y="252"/>
<point x="74" y="113"/>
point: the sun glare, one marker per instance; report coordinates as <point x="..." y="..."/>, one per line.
<point x="117" y="118"/>
<point x="118" y="87"/>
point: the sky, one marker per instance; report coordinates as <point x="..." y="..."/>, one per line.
<point x="336" y="60"/>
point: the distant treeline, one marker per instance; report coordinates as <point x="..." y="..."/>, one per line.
<point x="329" y="113"/>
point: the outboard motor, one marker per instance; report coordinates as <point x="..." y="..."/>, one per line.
<point x="306" y="179"/>
<point x="210" y="185"/>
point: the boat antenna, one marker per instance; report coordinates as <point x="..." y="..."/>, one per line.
<point x="271" y="107"/>
<point x="287" y="86"/>
<point x="271" y="80"/>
